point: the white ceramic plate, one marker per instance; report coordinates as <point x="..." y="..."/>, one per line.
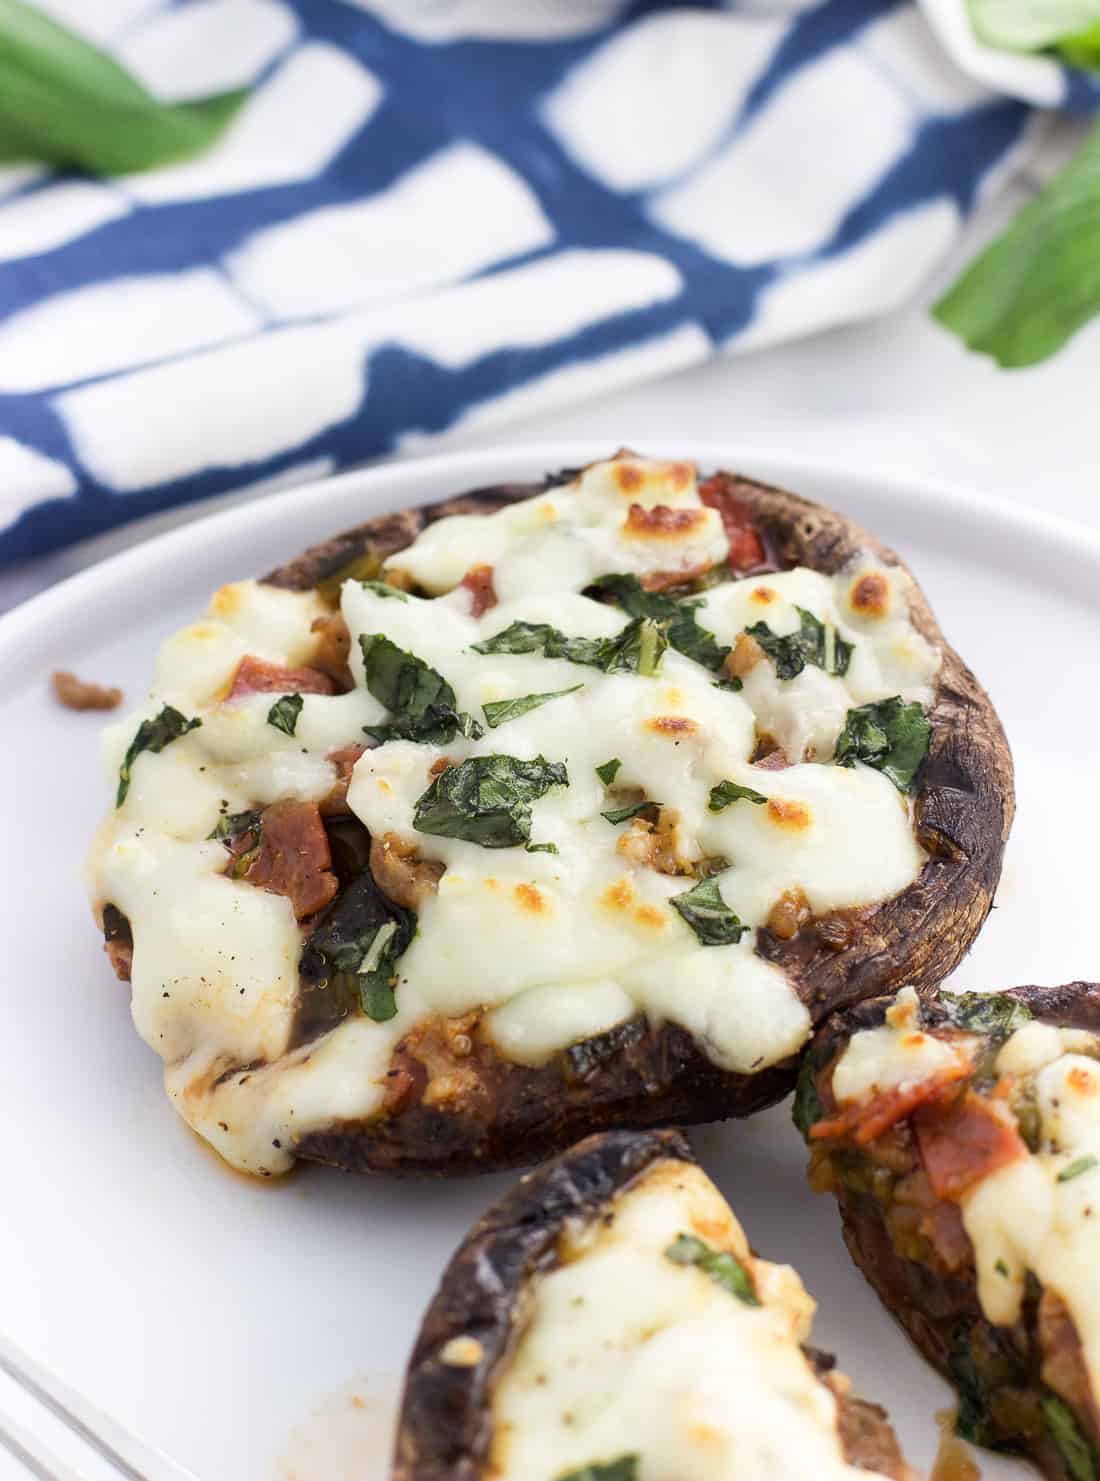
<point x="253" y="1332"/>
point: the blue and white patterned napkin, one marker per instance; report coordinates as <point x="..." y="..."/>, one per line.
<point x="433" y="212"/>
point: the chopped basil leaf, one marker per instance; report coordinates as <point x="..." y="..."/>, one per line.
<point x="1074" y="1449"/>
<point x="682" y="628"/>
<point x="420" y="699"/>
<point x="892" y="736"/>
<point x="355" y="947"/>
<point x="487" y="799"/>
<point x="625" y="1468"/>
<point x="620" y="814"/>
<point x="499" y="711"/>
<point x="815" y="642"/>
<point x="637" y="649"/>
<point x="284" y="713"/>
<point x="724" y="1269"/>
<point x="974" y="1418"/>
<point x="608" y="771"/>
<point x="1076" y="1168"/>
<point x="995" y="1014"/>
<point x="541" y="848"/>
<point x="233" y="825"/>
<point x="1001" y="1268"/>
<point x="380" y="589"/>
<point x="708" y="915"/>
<point x="152" y="735"/>
<point x="733" y="685"/>
<point x="727" y="792"/>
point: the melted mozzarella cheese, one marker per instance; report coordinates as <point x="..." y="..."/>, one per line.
<point x="895" y="1054"/>
<point x="625" y="1352"/>
<point x="1042" y="1213"/>
<point x="556" y="946"/>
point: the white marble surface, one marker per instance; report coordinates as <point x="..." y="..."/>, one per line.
<point x="899" y="393"/>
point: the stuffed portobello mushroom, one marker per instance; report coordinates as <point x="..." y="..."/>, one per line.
<point x="961" y="1136"/>
<point x="553" y="808"/>
<point x="606" y="1320"/>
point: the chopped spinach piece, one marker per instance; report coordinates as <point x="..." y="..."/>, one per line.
<point x="815" y="642"/>
<point x="499" y="711"/>
<point x="620" y="814"/>
<point x="974" y="1420"/>
<point x="152" y="735"/>
<point x="807" y="1108"/>
<point x="724" y="1269"/>
<point x="1074" y="1449"/>
<point x="727" y="792"/>
<point x="708" y="915"/>
<point x="1076" y="1168"/>
<point x="682" y="627"/>
<point x="637" y="649"/>
<point x="608" y="771"/>
<point x="734" y="685"/>
<point x="891" y="735"/>
<point x="995" y="1014"/>
<point x="420" y="699"/>
<point x="541" y="848"/>
<point x="355" y="947"/>
<point x="625" y="1468"/>
<point x="284" y="713"/>
<point x="487" y="799"/>
<point x="236" y="823"/>
<point x="380" y="589"/>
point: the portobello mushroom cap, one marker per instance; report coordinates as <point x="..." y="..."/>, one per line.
<point x="1023" y="1386"/>
<point x="645" y="1074"/>
<point x="482" y="1308"/>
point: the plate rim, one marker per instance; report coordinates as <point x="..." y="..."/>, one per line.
<point x="1058" y="534"/>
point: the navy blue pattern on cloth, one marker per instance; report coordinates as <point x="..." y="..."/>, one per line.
<point x="434" y="212"/>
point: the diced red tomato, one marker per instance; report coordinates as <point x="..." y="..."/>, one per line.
<point x="478" y="581"/>
<point x="254" y="676"/>
<point x="965" y="1141"/>
<point x="746" y="547"/>
<point x="867" y="1119"/>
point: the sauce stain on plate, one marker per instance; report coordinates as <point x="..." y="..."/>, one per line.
<point x="348" y="1436"/>
<point x="954" y="1460"/>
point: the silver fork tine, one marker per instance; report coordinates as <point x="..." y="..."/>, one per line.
<point x="132" y="1458"/>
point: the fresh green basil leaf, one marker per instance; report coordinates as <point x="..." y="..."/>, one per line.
<point x="620" y="814"/>
<point x="724" y="1269"/>
<point x="727" y="792"/>
<point x="1074" y="1449"/>
<point x="487" y="799"/>
<point x="354" y="949"/>
<point x="974" y="1418"/>
<point x="1036" y="285"/>
<point x="608" y="771"/>
<point x="708" y="915"/>
<point x="815" y="642"/>
<point x="624" y="1468"/>
<point x="233" y="825"/>
<point x="807" y="1108"/>
<point x="681" y="626"/>
<point x="500" y="711"/>
<point x="993" y="1014"/>
<point x="420" y="699"/>
<point x="1078" y="1166"/>
<point x="152" y="735"/>
<point x="891" y="735"/>
<point x="380" y="589"/>
<point x="1025" y="25"/>
<point x="284" y="713"/>
<point x="1083" y="49"/>
<point x="734" y="685"/>
<point x="636" y="649"/>
<point x="66" y="103"/>
<point x="541" y="848"/>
